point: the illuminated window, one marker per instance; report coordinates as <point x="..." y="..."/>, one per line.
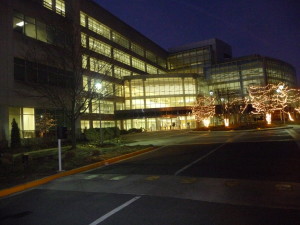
<point x="85" y="124"/>
<point x="85" y="83"/>
<point x="99" y="47"/>
<point x="189" y="86"/>
<point x="138" y="104"/>
<point x="151" y="56"/>
<point x="162" y="62"/>
<point x="121" y="72"/>
<point x="119" y="90"/>
<point x="100" y="66"/>
<point x="137" y="49"/>
<point x="84" y="61"/>
<point x="119" y="39"/>
<point x="98" y="27"/>
<point x="60" y="7"/>
<point x="30" y="28"/>
<point x="106" y="107"/>
<point x="137" y="88"/>
<point x="121" y="56"/>
<point x="48" y="4"/>
<point x="28" y="121"/>
<point x="119" y="106"/>
<point x="151" y="69"/>
<point x="139" y="64"/>
<point x="82" y="19"/>
<point x="55" y="5"/>
<point x="83" y="40"/>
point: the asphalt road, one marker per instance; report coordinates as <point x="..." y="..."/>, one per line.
<point x="195" y="178"/>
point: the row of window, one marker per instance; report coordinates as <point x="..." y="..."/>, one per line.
<point x="87" y="124"/>
<point x="57" y="6"/>
<point x="106" y="50"/>
<point x="159" y="102"/>
<point x="38" y="30"/>
<point x="99" y="28"/>
<point x="160" y="87"/>
<point x="39" y="73"/>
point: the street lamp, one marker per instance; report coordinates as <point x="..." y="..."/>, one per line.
<point x="98" y="87"/>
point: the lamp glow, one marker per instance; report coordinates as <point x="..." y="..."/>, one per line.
<point x="269" y="118"/>
<point x="206" y="122"/>
<point x="290" y="117"/>
<point x="226" y="122"/>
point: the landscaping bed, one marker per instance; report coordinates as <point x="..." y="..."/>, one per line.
<point x="24" y="167"/>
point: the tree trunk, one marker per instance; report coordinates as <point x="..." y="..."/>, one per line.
<point x="73" y="133"/>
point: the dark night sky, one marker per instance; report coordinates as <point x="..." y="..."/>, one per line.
<point x="266" y="27"/>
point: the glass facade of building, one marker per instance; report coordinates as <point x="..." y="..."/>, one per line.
<point x="144" y="85"/>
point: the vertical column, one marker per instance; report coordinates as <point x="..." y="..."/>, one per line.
<point x="183" y="90"/>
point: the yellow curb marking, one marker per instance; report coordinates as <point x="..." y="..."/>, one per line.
<point x="231" y="183"/>
<point x="151" y="178"/>
<point x="188" y="180"/>
<point x="35" y="183"/>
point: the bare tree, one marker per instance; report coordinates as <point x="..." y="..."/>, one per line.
<point x="76" y="87"/>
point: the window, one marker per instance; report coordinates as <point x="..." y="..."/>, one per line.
<point x="30" y="30"/>
<point x="60" y="7"/>
<point x="100" y="66"/>
<point x="82" y="19"/>
<point x="120" y="72"/>
<point x="151" y="56"/>
<point x="139" y="64"/>
<point x="85" y="124"/>
<point x="57" y="6"/>
<point x="98" y="27"/>
<point x="48" y="4"/>
<point x="38" y="30"/>
<point x="119" y="39"/>
<point x="137" y="49"/>
<point x="18" y="22"/>
<point x="83" y="40"/>
<point x="28" y="122"/>
<point x="99" y="47"/>
<point x="121" y="56"/>
<point x="151" y="69"/>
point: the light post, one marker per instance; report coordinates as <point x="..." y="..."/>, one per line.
<point x="99" y="88"/>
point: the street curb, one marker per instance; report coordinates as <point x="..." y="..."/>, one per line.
<point x="251" y="130"/>
<point x="31" y="184"/>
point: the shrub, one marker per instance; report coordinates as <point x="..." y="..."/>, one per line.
<point x="93" y="135"/>
<point x="70" y="155"/>
<point x="15" y="135"/>
<point x="95" y="153"/>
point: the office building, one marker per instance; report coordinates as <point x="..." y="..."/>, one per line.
<point x="146" y="86"/>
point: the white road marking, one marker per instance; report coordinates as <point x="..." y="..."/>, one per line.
<point x="295" y="136"/>
<point x="231" y="139"/>
<point x="198" y="160"/>
<point x="104" y="217"/>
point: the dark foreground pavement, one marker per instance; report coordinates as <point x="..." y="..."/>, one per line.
<point x="237" y="178"/>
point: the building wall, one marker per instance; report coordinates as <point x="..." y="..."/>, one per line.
<point x="138" y="74"/>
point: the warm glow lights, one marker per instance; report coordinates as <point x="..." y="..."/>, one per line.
<point x="269" y="118"/>
<point x="204" y="109"/>
<point x="268" y="99"/>
<point x="226" y="122"/>
<point x="290" y="117"/>
<point x="206" y="122"/>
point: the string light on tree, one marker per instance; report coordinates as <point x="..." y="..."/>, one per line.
<point x="204" y="109"/>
